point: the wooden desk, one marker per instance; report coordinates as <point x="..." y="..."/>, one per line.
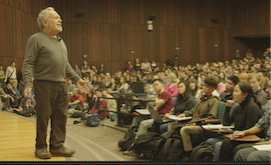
<point x="248" y="138"/>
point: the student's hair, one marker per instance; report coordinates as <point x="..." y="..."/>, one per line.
<point x="192" y="80"/>
<point x="211" y="81"/>
<point x="234" y="79"/>
<point x="246" y="88"/>
<point x="161" y="81"/>
<point x="172" y="76"/>
<point x="187" y="93"/>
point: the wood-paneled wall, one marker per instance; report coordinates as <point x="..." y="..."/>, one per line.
<point x="18" y="23"/>
<point x="109" y="29"/>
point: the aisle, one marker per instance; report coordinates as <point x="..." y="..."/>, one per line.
<point x="17" y="139"/>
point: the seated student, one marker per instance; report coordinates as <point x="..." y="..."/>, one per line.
<point x="172" y="86"/>
<point x="5" y="98"/>
<point x="71" y="86"/>
<point x="76" y="100"/>
<point x="242" y="94"/>
<point x="264" y="80"/>
<point x="27" y="106"/>
<point x="113" y="84"/>
<point x="163" y="104"/>
<point x="100" y="82"/>
<point x="128" y="106"/>
<point x="185" y="102"/>
<point x="111" y="104"/>
<point x="206" y="108"/>
<point x="254" y="81"/>
<point x="122" y="85"/>
<point x="102" y="103"/>
<point x="221" y="87"/>
<point x="17" y="95"/>
<point x="193" y="84"/>
<point x="245" y="152"/>
<point x="244" y="116"/>
<point x="230" y="84"/>
<point x="268" y="97"/>
<point x="11" y="94"/>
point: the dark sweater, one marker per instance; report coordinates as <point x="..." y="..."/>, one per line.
<point x="183" y="105"/>
<point x="46" y="59"/>
<point x="244" y="116"/>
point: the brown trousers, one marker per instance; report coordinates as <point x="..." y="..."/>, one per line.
<point x="51" y="103"/>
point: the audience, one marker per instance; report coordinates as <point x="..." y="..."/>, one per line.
<point x="196" y="82"/>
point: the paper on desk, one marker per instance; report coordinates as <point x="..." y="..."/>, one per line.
<point x="263" y="147"/>
<point x="143" y="111"/>
<point x="179" y="119"/>
<point x="216" y="126"/>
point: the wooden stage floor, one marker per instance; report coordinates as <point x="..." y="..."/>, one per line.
<point x="17" y="139"/>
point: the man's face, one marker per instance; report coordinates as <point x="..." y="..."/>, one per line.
<point x="75" y="92"/>
<point x="9" y="86"/>
<point x="254" y="83"/>
<point x="53" y="22"/>
<point x="162" y="76"/>
<point x="109" y="90"/>
<point x="236" y="73"/>
<point x="230" y="86"/>
<point x="13" y="64"/>
<point x="158" y="86"/>
<point x="104" y="93"/>
<point x="13" y="85"/>
<point x="99" y="80"/>
<point x="98" y="93"/>
<point x="207" y="89"/>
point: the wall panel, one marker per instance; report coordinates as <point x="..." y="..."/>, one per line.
<point x="109" y="29"/>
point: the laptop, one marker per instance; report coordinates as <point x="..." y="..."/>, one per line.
<point x="159" y="119"/>
<point x="154" y="114"/>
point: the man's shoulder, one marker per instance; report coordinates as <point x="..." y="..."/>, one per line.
<point x="165" y="94"/>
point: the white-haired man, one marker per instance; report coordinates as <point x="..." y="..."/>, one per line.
<point x="47" y="61"/>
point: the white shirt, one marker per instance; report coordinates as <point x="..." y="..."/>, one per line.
<point x="9" y="70"/>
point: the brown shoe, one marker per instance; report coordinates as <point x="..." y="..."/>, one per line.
<point x="42" y="154"/>
<point x="63" y="151"/>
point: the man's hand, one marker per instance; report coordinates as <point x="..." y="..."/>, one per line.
<point x="230" y="103"/>
<point x="237" y="134"/>
<point x="82" y="85"/>
<point x="167" y="115"/>
<point x="27" y="91"/>
<point x="181" y="115"/>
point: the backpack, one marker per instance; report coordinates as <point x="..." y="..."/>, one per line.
<point x="92" y="121"/>
<point x="148" y="145"/>
<point x="172" y="150"/>
<point x="128" y="139"/>
<point x="203" y="152"/>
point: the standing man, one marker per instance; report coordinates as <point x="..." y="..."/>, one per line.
<point x="46" y="61"/>
<point x="11" y="73"/>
